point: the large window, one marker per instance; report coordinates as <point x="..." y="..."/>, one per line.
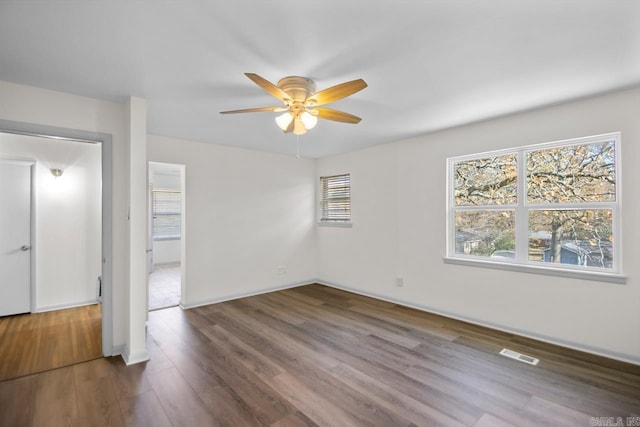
<point x="335" y="199"/>
<point x="552" y="205"/>
<point x="166" y="210"/>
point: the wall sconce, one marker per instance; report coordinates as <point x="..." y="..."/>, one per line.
<point x="56" y="172"/>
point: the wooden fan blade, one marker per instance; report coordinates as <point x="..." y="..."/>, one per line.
<point x="269" y="87"/>
<point x="337" y="92"/>
<point x="336" y="116"/>
<point x="256" y="110"/>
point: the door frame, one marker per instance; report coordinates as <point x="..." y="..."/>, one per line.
<point x="106" y="143"/>
<point x="183" y="226"/>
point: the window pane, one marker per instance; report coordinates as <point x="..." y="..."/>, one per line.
<point x="576" y="237"/>
<point x="166" y="226"/>
<point x="490" y="181"/>
<point x="579" y="173"/>
<point x="485" y="233"/>
<point x="166" y="207"/>
<point x="335" y="193"/>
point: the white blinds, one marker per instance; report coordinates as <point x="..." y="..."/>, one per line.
<point x="335" y="193"/>
<point x="167" y="207"/>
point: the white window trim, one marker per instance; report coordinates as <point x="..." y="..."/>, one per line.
<point x="597" y="276"/>
<point x="162" y="239"/>
<point x="343" y="224"/>
<point x="334" y="223"/>
<point x="521" y="263"/>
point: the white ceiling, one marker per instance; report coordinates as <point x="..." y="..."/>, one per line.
<point x="430" y="65"/>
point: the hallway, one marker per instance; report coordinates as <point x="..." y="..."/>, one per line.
<point x="42" y="341"/>
<point x="164" y="287"/>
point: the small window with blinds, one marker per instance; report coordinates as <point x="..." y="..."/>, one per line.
<point x="335" y="199"/>
<point x="167" y="215"/>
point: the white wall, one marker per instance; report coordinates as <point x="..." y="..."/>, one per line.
<point x="399" y="213"/>
<point x="166" y="252"/>
<point x="247" y="213"/>
<point x="135" y="349"/>
<point x="44" y="107"/>
<point x="68" y="236"/>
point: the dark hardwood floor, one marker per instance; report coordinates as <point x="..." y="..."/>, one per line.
<point x="319" y="356"/>
<point x="38" y="342"/>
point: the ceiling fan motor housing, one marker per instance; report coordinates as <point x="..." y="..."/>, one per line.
<point x="299" y="88"/>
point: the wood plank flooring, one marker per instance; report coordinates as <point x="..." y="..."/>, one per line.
<point x="319" y="356"/>
<point x="31" y="343"/>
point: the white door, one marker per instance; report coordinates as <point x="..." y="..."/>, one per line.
<point x="15" y="237"/>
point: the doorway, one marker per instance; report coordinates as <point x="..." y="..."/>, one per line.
<point x="165" y="249"/>
<point x="50" y="231"/>
<point x="57" y="191"/>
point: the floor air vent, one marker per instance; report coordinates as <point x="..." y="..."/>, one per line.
<point x="521" y="357"/>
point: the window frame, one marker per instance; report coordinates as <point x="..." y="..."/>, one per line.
<point x="334" y="222"/>
<point x="521" y="211"/>
<point x="154" y="214"/>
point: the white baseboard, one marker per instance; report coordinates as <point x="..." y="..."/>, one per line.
<point x="132" y="359"/>
<point x="551" y="340"/>
<point x="167" y="264"/>
<point x="246" y="294"/>
<point x="116" y="350"/>
<point x="65" y="306"/>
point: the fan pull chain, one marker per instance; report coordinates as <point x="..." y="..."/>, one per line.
<point x="298" y="147"/>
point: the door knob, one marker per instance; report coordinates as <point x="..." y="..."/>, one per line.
<point x="25" y="248"/>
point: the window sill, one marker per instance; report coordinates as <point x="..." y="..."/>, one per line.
<point x="547" y="271"/>
<point x="339" y="224"/>
<point x="162" y="239"/>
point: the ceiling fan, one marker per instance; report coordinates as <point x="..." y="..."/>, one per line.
<point x="302" y="103"/>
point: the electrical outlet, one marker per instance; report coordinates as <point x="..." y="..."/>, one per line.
<point x="282" y="270"/>
<point x="399" y="281"/>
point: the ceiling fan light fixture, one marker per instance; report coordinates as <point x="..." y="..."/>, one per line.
<point x="284" y="120"/>
<point x="309" y="120"/>
<point x="298" y="127"/>
<point x="303" y="102"/>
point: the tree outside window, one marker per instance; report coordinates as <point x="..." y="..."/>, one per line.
<point x="554" y="203"/>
